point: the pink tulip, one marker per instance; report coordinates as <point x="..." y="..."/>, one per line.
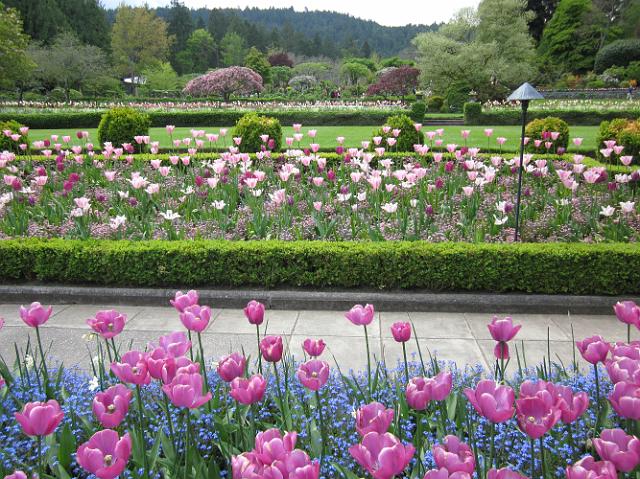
<point x="373" y="417"/>
<point x="594" y="349"/>
<point x="35" y="315"/>
<point x="272" y="446"/>
<point x="572" y="405"/>
<point x="619" y="448"/>
<point x="577" y="141"/>
<point x="111" y="406"/>
<point x="186" y="391"/>
<point x="588" y="468"/>
<point x="442" y="473"/>
<point x="271" y="348"/>
<point x="492" y="401"/>
<point x="16" y="475"/>
<point x="313" y="374"/>
<point x="105" y="454"/>
<point x="254" y="311"/>
<point x="503" y="329"/>
<point x="107" y="324"/>
<point x="361" y="315"/>
<point x="196" y="318"/>
<point x="536" y="416"/>
<point x="504" y="473"/>
<point x="625" y="400"/>
<point x="382" y="455"/>
<point x="231" y="367"/>
<point x="175" y="344"/>
<point x="313" y="347"/>
<point x="40" y="418"/>
<point x="183" y="301"/>
<point x="623" y="369"/>
<point x="628" y="312"/>
<point x="248" y="391"/>
<point x="401" y="331"/>
<point x="174" y="366"/>
<point x="422" y="390"/>
<point x="132" y="369"/>
<point x="454" y="456"/>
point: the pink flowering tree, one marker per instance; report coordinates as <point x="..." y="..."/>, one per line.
<point x="225" y="82"/>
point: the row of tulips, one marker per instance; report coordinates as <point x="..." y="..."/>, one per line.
<point x="416" y="420"/>
<point x="69" y="190"/>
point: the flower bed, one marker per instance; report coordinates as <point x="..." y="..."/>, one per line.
<point x="166" y="412"/>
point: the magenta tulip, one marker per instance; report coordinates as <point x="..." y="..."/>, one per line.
<point x="40" y="418"/>
<point x="454" y="455"/>
<point x="132" y="368"/>
<point x="594" y="349"/>
<point x="231" y="367"/>
<point x="313" y="347"/>
<point x="196" y="318"/>
<point x="628" y="312"/>
<point x="501" y="351"/>
<point x="16" y="475"/>
<point x="105" y="454"/>
<point x="589" y="468"/>
<point x="382" y="455"/>
<point x="492" y="401"/>
<point x="175" y="344"/>
<point x="248" y="391"/>
<point x="401" y="331"/>
<point x="271" y="348"/>
<point x="35" y="315"/>
<point x="621" y="368"/>
<point x="422" y="390"/>
<point x="536" y="416"/>
<point x="186" y="391"/>
<point x="111" y="406"/>
<point x="504" y="473"/>
<point x="174" y="366"/>
<point x="361" y="315"/>
<point x="373" y="417"/>
<point x="313" y="374"/>
<point x="108" y="324"/>
<point x="572" y="405"/>
<point x="503" y="329"/>
<point x="182" y="301"/>
<point x="443" y="473"/>
<point x="625" y="400"/>
<point x="272" y="446"/>
<point x="619" y="448"/>
<point x="254" y="311"/>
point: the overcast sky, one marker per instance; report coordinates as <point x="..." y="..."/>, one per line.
<point x="397" y="12"/>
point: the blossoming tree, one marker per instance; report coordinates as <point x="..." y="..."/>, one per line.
<point x="225" y="82"/>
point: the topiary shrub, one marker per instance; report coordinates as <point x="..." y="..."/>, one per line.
<point x="435" y="104"/>
<point x="619" y="53"/>
<point x="6" y="143"/>
<point x="418" y="109"/>
<point x="121" y="125"/>
<point x="625" y="132"/>
<point x="408" y="134"/>
<point x="252" y="126"/>
<point x="542" y="128"/>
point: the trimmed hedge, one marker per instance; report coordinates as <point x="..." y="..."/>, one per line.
<point x="474" y="115"/>
<point x="203" y="118"/>
<point x="551" y="268"/>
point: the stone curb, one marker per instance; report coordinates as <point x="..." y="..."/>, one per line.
<point x="320" y="300"/>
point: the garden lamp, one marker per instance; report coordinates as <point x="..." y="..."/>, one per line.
<point x="524" y="94"/>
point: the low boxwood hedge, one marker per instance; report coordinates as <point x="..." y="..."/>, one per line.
<point x="551" y="268"/>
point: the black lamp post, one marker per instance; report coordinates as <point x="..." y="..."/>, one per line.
<point x="524" y="94"/>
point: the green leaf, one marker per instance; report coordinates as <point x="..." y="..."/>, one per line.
<point x="67" y="447"/>
<point x="452" y="406"/>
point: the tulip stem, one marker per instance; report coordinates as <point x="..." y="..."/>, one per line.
<point x="190" y="341"/>
<point x="169" y="419"/>
<point x="542" y="464"/>
<point x="204" y="370"/>
<point x="533" y="458"/>
<point x="141" y="424"/>
<point x="45" y="372"/>
<point x="595" y="372"/>
<point x="493" y="446"/>
<point x="366" y="339"/>
<point x="115" y="350"/>
<point x="406" y="367"/>
<point x="279" y="392"/>
<point x="40" y="466"/>
<point x="322" y="433"/>
<point x="259" y="355"/>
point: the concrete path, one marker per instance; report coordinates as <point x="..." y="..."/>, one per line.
<point x="459" y="337"/>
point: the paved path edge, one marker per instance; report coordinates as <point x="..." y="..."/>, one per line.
<point x="401" y="301"/>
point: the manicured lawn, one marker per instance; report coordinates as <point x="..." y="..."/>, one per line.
<point x="326" y="135"/>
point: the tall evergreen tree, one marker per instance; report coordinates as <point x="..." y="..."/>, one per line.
<point x="179" y="26"/>
<point x="542" y="12"/>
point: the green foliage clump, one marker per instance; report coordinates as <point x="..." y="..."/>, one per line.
<point x="473" y="114"/>
<point x="625" y="132"/>
<point x="537" y="127"/>
<point x="6" y="143"/>
<point x="418" y="109"/>
<point x="435" y="104"/>
<point x="619" y="53"/>
<point x="251" y="126"/>
<point x="408" y="134"/>
<point x="121" y="125"/>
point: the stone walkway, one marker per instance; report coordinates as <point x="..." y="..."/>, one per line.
<point x="459" y="337"/>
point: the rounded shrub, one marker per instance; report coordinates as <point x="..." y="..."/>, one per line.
<point x="542" y="128"/>
<point x="6" y="143"/>
<point x="619" y="53"/>
<point x="435" y="104"/>
<point x="418" y="109"/>
<point x="121" y="125"/>
<point x="625" y="132"/>
<point x="408" y="135"/>
<point x="252" y="126"/>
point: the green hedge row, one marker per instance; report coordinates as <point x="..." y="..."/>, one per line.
<point x="473" y="115"/>
<point x="531" y="268"/>
<point x="204" y="118"/>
